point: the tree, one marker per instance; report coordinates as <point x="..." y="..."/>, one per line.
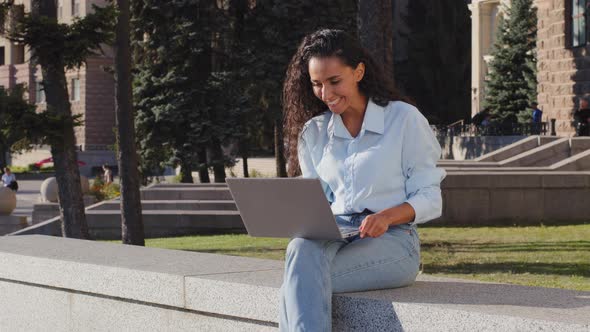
<point x="176" y="82"/>
<point x="131" y="218"/>
<point x="55" y="47"/>
<point x="512" y="83"/>
<point x="269" y="29"/>
<point x="15" y="114"/>
<point x="376" y="32"/>
<point x="436" y="72"/>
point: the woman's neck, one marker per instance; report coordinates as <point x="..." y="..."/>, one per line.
<point x="354" y="115"/>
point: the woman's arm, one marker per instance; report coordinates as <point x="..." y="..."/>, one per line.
<point x="420" y="152"/>
<point x="377" y="224"/>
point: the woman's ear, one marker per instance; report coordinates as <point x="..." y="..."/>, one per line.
<point x="359" y="72"/>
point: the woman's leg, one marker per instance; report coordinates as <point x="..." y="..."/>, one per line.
<point x="306" y="293"/>
<point x="389" y="261"/>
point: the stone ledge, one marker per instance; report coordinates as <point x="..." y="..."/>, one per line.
<point x="245" y="288"/>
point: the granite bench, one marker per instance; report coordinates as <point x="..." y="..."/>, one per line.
<point x="57" y="284"/>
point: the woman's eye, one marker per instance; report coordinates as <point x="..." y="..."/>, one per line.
<point x="335" y="82"/>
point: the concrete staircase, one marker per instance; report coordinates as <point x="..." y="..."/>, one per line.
<point x="167" y="210"/>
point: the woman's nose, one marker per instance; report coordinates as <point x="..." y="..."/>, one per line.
<point x="326" y="92"/>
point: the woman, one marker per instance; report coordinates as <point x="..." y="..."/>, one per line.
<point x="9" y="179"/>
<point x="107" y="175"/>
<point x="375" y="156"/>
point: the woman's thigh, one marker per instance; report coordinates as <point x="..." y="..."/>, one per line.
<point x="389" y="261"/>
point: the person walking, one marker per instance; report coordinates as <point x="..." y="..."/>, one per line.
<point x="537" y="119"/>
<point x="375" y="156"/>
<point x="582" y="117"/>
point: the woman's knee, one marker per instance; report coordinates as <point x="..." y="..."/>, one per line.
<point x="302" y="246"/>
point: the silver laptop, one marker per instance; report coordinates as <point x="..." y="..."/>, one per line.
<point x="286" y="207"/>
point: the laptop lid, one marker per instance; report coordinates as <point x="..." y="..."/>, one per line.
<point x="284" y="207"/>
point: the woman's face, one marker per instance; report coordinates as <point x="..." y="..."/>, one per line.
<point x="335" y="83"/>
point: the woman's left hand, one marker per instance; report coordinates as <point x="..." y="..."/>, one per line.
<point x="374" y="225"/>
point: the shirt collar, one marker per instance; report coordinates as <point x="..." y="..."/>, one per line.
<point x="374" y="121"/>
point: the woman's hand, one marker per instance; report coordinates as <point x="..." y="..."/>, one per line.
<point x="374" y="225"/>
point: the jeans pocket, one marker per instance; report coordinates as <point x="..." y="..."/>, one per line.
<point x="409" y="235"/>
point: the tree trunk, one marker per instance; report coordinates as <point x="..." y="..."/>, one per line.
<point x="217" y="161"/>
<point x="186" y="168"/>
<point x="131" y="218"/>
<point x="63" y="148"/>
<point x="376" y="31"/>
<point x="203" y="166"/>
<point x="280" y="150"/>
<point x="245" y="166"/>
<point x="3" y="154"/>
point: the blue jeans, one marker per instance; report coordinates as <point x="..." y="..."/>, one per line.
<point x="315" y="269"/>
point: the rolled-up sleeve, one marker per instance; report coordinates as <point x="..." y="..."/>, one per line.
<point x="420" y="152"/>
<point x="308" y="169"/>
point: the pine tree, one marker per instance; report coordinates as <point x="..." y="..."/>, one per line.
<point x="173" y="56"/>
<point x="512" y="83"/>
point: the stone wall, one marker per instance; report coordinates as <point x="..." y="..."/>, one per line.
<point x="563" y="74"/>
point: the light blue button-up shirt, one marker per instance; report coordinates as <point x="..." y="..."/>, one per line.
<point x="391" y="161"/>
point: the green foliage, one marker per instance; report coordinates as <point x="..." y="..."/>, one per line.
<point x="210" y="76"/>
<point x="52" y="44"/>
<point x="103" y="191"/>
<point x="55" y="43"/>
<point x="31" y="168"/>
<point x="436" y="72"/>
<point x="17" y="120"/>
<point x="22" y="127"/>
<point x="512" y="83"/>
<point x="173" y="54"/>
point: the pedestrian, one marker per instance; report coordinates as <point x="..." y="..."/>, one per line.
<point x="9" y="179"/>
<point x="375" y="156"/>
<point x="582" y="117"/>
<point x="107" y="176"/>
<point x="537" y="118"/>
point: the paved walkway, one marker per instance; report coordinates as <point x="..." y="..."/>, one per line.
<point x="27" y="195"/>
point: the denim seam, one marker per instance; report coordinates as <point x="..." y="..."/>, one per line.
<point x="368" y="266"/>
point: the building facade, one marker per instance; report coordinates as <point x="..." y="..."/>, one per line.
<point x="90" y="87"/>
<point x="563" y="63"/>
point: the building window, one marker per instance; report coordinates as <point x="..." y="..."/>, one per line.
<point x="578" y="25"/>
<point x="2" y="56"/>
<point x="75" y="92"/>
<point x="39" y="93"/>
<point x="75" y="7"/>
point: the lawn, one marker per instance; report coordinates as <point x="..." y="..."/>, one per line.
<point x="547" y="256"/>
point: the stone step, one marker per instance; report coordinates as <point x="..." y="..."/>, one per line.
<point x="106" y="224"/>
<point x="189" y="193"/>
<point x="186" y="205"/>
<point x="188" y="185"/>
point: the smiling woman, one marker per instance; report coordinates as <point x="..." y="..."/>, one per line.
<point x="375" y="156"/>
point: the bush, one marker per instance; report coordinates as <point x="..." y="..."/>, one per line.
<point x="103" y="191"/>
<point x="31" y="168"/>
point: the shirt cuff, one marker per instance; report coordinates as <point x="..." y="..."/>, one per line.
<point x="423" y="208"/>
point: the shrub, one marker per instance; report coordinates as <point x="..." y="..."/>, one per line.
<point x="103" y="191"/>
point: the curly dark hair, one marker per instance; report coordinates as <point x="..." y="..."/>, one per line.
<point x="299" y="102"/>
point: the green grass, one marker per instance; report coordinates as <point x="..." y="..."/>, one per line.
<point x="552" y="256"/>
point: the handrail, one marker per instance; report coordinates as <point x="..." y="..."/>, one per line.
<point x="462" y="122"/>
